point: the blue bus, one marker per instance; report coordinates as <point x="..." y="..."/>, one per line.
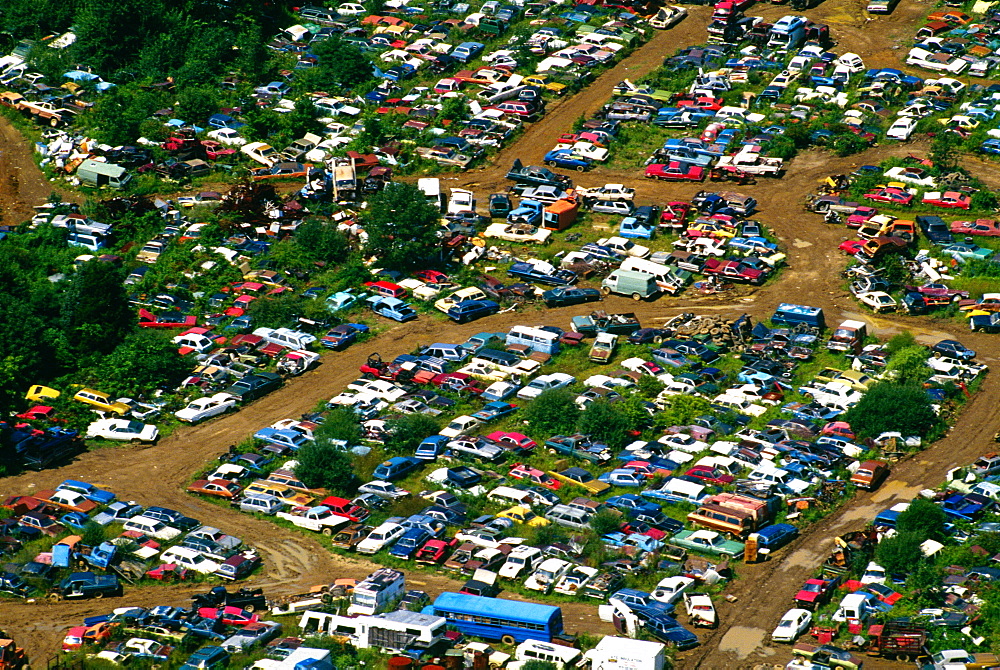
<point x="509" y="621"/>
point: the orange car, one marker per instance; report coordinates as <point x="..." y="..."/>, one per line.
<point x="216" y="487"/>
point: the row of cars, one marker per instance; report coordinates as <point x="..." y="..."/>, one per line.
<point x="152" y="542"/>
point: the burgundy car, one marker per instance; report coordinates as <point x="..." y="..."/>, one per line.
<point x="675" y="171"/>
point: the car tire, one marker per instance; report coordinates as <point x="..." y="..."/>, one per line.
<point x="637" y="297"/>
<point x="605" y="290"/>
<point x="581" y="168"/>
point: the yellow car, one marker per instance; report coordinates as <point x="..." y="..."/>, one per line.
<point x="542" y="81"/>
<point x="101" y="401"/>
<point x="582" y="478"/>
<point x="279" y="491"/>
<point x="39" y="393"/>
<point x="519" y="514"/>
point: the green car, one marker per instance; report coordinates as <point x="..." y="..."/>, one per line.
<point x="707" y="542"/>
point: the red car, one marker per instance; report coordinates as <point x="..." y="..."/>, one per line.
<point x="432" y="276"/>
<point x="675" y="171"/>
<point x="704" y="103"/>
<point x="231" y="616"/>
<point x="517" y="440"/>
<point x="345" y="508"/>
<point x="948" y="199"/>
<point x="216" y="487"/>
<point x="851" y="246"/>
<point x="709" y="474"/>
<point x="675" y="214"/>
<point x="39" y="413"/>
<point x="642" y="528"/>
<point x="535" y="476"/>
<point x="386" y="289"/>
<point x="860" y="215"/>
<point x="895" y="196"/>
<point x="733" y="270"/>
<point x="984" y="227"/>
<point x="435" y="551"/>
<point x="169" y="320"/>
<point x="168" y="572"/>
<point x="939" y="291"/>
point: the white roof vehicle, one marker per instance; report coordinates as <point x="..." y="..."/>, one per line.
<point x="795" y="622"/>
<point x="204" y="408"/>
<point x="123" y="429"/>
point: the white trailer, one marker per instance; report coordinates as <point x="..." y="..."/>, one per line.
<point x="621" y="653"/>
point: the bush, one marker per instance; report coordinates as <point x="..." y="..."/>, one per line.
<point x="888" y="406"/>
<point x="900" y="553"/>
<point x="326" y="466"/>
<point x="605" y="423"/>
<point x="605" y="521"/>
<point x="409" y="430"/>
<point x="923" y="519"/>
<point x="553" y="412"/>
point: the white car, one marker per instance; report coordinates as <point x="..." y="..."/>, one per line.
<point x="874" y="574"/>
<point x="381" y="388"/>
<point x="911" y="176"/>
<point x="901" y="128"/>
<point x="700" y="610"/>
<point x="190" y="559"/>
<point x="625" y="246"/>
<point x="462" y="425"/>
<point x="383" y="489"/>
<point x="879" y="301"/>
<point x="381" y="537"/>
<point x="351" y="9"/>
<point x="227" y="136"/>
<point x="518" y="232"/>
<point x="684" y="442"/>
<point x="795" y="622"/>
<point x="261" y="152"/>
<point x="123" y="429"/>
<point x="671" y="588"/>
<point x="544" y="383"/>
<point x="204" y="408"/>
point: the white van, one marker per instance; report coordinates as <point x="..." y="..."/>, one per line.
<point x="536" y="339"/>
<point x="508" y="495"/>
<point x="535" y="650"/>
<point x="152" y="527"/>
<point x="854" y="606"/>
<point x="665" y="278"/>
<point x="521" y="560"/>
<point x="194" y="341"/>
<point x="286" y="337"/>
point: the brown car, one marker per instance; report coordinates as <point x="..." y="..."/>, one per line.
<point x="461" y="556"/>
<point x="349" y="536"/>
<point x="870" y="474"/>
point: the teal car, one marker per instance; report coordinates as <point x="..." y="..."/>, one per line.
<point x="341" y="300"/>
<point x="964" y="252"/>
<point x="707" y="542"/>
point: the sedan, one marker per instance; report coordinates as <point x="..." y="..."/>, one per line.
<point x="204" y="408"/>
<point x="216" y="487"/>
<point x="675" y="171"/>
<point x="947" y="199"/>
<point x="563" y="297"/>
<point x="984" y="227"/>
<point x="901" y="129"/>
<point x="648" y="335"/>
<point x="123" y="429"/>
<point x="795" y="622"/>
<point x="879" y="301"/>
<point x="896" y="196"/>
<point x="383" y="490"/>
<point x="344" y="335"/>
<point x="953" y="348"/>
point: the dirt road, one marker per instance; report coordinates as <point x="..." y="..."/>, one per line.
<point x="294" y="561"/>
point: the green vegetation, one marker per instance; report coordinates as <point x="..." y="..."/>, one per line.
<point x="323" y="465"/>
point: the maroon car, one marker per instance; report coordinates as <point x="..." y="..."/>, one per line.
<point x="675" y="171"/>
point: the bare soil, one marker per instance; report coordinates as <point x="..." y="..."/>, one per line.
<point x="295" y="561"/>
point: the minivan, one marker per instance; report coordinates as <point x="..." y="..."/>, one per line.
<point x="556" y="654"/>
<point x="536" y="339"/>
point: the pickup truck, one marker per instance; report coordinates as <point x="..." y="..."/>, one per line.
<point x="828" y="656"/>
<point x="734" y="270"/>
<point x="602" y="322"/>
<point x="753" y="163"/>
<point x="320" y="519"/>
<point x="579" y="446"/>
<point x="832" y="203"/>
<point x="816" y="592"/>
<point x="832" y="394"/>
<point x="87" y="585"/>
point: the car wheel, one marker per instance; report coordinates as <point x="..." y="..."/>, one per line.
<point x="581" y="168"/>
<point x="550" y="163"/>
<point x="657" y="340"/>
<point x="637" y="297"/>
<point x="606" y="290"/>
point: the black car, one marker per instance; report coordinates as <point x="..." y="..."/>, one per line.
<point x="935" y="229"/>
<point x="255" y="386"/>
<point x="695" y="349"/>
<point x="248" y="599"/>
<point x="953" y="348"/>
<point x="562" y="297"/>
<point x="500" y="205"/>
<point x="172" y="518"/>
<point x="647" y="336"/>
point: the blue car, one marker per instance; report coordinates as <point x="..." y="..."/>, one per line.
<point x="470" y="310"/>
<point x="542" y="273"/>
<point x="565" y="158"/>
<point x="74" y="520"/>
<point x="343" y="336"/>
<point x="991" y="146"/>
<point x="406" y="546"/>
<point x="633" y="228"/>
<point x="391" y="308"/>
<point x="494" y="410"/>
<point x="89" y="491"/>
<point x="291" y="439"/>
<point x="630" y="501"/>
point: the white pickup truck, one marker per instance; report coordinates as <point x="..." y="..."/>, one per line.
<point x="832" y="394"/>
<point x="752" y="162"/>
<point x="318" y="519"/>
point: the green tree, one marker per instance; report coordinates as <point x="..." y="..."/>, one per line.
<point x="274" y="311"/>
<point x="892" y="407"/>
<point x="552" y="412"/>
<point x="95" y="314"/>
<point x="682" y="410"/>
<point x="322" y="465"/>
<point x="605" y="521"/>
<point x="341" y="66"/>
<point x="945" y="149"/>
<point x="409" y="430"/>
<point x="196" y="103"/>
<point x="538" y="665"/>
<point x="910" y="365"/>
<point x="650" y="386"/>
<point x="903" y="340"/>
<point x="322" y="242"/>
<point x="340" y="424"/>
<point x="900" y="553"/>
<point x="984" y="198"/>
<point x="922" y="519"/>
<point x="141" y="362"/>
<point x="401" y="227"/>
<point x="605" y="423"/>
